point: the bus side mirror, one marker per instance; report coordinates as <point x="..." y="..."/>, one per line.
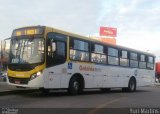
<point x="53" y="46"/>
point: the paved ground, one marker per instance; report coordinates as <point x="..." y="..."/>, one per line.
<point x="5" y="87"/>
<point x="90" y="102"/>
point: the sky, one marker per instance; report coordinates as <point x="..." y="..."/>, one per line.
<point x="137" y="21"/>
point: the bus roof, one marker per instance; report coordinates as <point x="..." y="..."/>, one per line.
<point x="97" y="41"/>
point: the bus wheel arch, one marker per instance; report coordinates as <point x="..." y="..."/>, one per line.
<point x="132" y="84"/>
<point x="76" y="84"/>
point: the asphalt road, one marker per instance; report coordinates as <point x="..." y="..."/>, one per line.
<point x="90" y="102"/>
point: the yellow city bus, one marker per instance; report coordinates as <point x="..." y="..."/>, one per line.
<point x="47" y="58"/>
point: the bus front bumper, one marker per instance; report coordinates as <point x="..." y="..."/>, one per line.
<point x="27" y="83"/>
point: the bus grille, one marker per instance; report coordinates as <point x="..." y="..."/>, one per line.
<point x="18" y="80"/>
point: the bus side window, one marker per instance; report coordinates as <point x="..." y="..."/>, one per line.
<point x="79" y="50"/>
<point x="113" y="56"/>
<point x="150" y="62"/>
<point x="142" y="62"/>
<point x="133" y="60"/>
<point x="124" y="61"/>
<point x="98" y="54"/>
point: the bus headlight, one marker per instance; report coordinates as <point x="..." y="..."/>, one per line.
<point x="35" y="75"/>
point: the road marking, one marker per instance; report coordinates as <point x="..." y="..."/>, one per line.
<point x="103" y="105"/>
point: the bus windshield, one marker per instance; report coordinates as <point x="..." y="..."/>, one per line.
<point x="27" y="51"/>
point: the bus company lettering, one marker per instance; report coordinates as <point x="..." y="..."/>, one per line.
<point x="89" y="68"/>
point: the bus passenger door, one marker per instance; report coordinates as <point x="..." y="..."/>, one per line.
<point x="55" y="59"/>
<point x="51" y="80"/>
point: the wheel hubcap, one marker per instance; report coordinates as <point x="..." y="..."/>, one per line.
<point x="76" y="85"/>
<point x="132" y="86"/>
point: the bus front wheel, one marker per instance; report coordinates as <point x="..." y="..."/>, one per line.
<point x="132" y="85"/>
<point x="44" y="91"/>
<point x="74" y="86"/>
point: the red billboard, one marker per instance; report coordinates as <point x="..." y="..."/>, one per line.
<point x="108" y="31"/>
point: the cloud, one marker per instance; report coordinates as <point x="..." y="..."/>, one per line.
<point x="132" y="15"/>
<point x="137" y="20"/>
<point x="71" y="15"/>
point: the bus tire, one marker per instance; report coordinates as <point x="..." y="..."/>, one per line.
<point x="132" y="85"/>
<point x="74" y="86"/>
<point x="124" y="89"/>
<point x="44" y="91"/>
<point x="20" y="87"/>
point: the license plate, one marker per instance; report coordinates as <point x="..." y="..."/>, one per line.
<point x="17" y="82"/>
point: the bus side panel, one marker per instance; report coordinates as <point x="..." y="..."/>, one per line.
<point x="116" y="76"/>
<point x="145" y="77"/>
<point x="52" y="76"/>
<point x="84" y="69"/>
<point x="95" y="76"/>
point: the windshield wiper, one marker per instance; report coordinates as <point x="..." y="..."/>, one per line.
<point x="18" y="50"/>
<point x="24" y="48"/>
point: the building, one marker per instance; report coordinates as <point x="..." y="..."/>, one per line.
<point x="106" y="40"/>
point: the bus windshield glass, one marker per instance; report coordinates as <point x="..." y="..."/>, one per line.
<point x="27" y="51"/>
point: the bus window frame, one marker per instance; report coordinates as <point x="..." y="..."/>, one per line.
<point x="124" y="58"/>
<point x="71" y="48"/>
<point x="134" y="60"/>
<point x="92" y="51"/>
